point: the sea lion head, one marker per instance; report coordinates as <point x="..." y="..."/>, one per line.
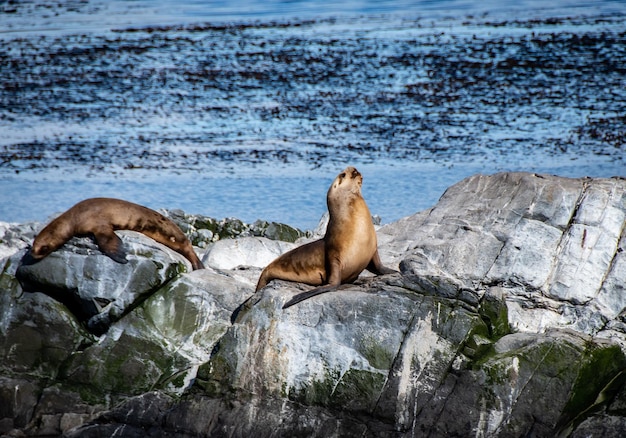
<point x="35" y="253"/>
<point x="39" y="250"/>
<point x="349" y="180"/>
<point x="51" y="238"/>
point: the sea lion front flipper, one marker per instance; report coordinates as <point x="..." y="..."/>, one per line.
<point x="375" y="266"/>
<point x="111" y="245"/>
<point x="195" y="261"/>
<point x="306" y="295"/>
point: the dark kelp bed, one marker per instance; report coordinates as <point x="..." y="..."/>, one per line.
<point x="227" y="108"/>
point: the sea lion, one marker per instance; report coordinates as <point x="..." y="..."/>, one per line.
<point x="100" y="217"/>
<point x="348" y="247"/>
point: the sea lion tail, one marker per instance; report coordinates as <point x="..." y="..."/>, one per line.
<point x="375" y="266"/>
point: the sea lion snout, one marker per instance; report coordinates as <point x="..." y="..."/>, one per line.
<point x="28" y="258"/>
<point x="39" y="250"/>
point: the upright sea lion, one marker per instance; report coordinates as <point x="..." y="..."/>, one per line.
<point x="100" y="217"/>
<point x="348" y="247"/>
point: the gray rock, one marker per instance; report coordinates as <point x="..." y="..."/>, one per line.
<point x="97" y="289"/>
<point x="51" y="411"/>
<point x="15" y="237"/>
<point x="276" y="231"/>
<point x="203" y="230"/>
<point x="507" y="320"/>
<point x="161" y="344"/>
<point x="601" y="426"/>
<point x="534" y="385"/>
<point x="18" y="398"/>
<point x="37" y="333"/>
<point x="553" y="245"/>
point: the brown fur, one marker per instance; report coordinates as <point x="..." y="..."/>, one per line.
<point x="348" y="247"/>
<point x="100" y="217"/>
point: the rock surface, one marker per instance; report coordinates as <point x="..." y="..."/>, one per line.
<point x="507" y="319"/>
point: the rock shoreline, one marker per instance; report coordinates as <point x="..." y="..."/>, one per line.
<point x="507" y="319"/>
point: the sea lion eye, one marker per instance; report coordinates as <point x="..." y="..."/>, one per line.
<point x="342" y="175"/>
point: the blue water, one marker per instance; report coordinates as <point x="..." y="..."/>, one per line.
<point x="261" y="142"/>
<point x="100" y="15"/>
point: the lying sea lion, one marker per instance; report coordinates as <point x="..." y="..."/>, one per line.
<point x="348" y="247"/>
<point x="100" y="217"/>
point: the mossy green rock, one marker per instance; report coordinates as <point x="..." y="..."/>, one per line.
<point x="162" y="342"/>
<point x="358" y="350"/>
<point x="530" y="385"/>
<point x="203" y="230"/>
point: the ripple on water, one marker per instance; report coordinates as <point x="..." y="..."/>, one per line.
<point x="255" y="118"/>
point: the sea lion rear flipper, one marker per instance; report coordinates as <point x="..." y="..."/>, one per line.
<point x="375" y="266"/>
<point x="111" y="245"/>
<point x="334" y="281"/>
<point x="306" y="295"/>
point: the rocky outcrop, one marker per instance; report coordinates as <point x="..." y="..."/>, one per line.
<point x="552" y="246"/>
<point x="507" y="319"/>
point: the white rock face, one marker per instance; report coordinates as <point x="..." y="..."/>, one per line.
<point x="246" y="251"/>
<point x="553" y="245"/>
<point x="15" y="237"/>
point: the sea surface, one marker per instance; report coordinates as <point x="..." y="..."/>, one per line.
<point x="249" y="109"/>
